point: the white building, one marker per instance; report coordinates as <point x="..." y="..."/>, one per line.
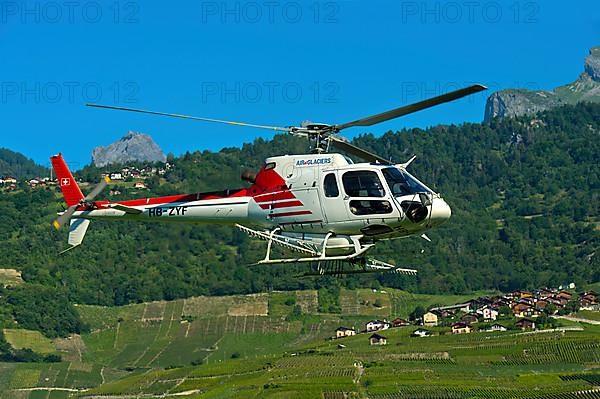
<point x="421" y="332"/>
<point x="430" y="319"/>
<point x="488" y="313"/>
<point x="496" y="327"/>
<point x="376" y="325"/>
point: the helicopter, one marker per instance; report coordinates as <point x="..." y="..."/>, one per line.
<point x="321" y="208"/>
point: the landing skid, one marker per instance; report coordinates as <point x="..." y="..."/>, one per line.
<point x="321" y="263"/>
<point x="358" y="266"/>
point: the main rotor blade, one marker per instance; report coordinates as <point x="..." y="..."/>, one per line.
<point x="197" y="118"/>
<point x="98" y="189"/>
<point x="409" y="109"/>
<point x="65" y="217"/>
<point x="359" y="152"/>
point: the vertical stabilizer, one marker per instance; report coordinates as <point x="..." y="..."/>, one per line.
<point x="66" y="181"/>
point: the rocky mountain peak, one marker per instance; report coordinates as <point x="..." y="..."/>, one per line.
<point x="515" y="102"/>
<point x="131" y="147"/>
<point x="592" y="64"/>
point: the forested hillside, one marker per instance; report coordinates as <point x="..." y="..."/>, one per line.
<point x="524" y="194"/>
<point x="13" y="164"/>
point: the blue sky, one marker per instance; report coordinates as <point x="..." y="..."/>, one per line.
<point x="267" y="62"/>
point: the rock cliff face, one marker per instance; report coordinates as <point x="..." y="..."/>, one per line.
<point x="515" y="102"/>
<point x="132" y="147"/>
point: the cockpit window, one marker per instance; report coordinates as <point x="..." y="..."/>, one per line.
<point x="403" y="183"/>
<point x="364" y="183"/>
<point x="330" y="186"/>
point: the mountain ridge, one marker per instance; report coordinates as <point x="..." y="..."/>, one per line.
<point x="133" y="146"/>
<point x="516" y="102"/>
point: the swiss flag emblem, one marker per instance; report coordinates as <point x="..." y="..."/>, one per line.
<point x="65" y="181"/>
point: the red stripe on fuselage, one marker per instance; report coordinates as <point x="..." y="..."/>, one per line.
<point x="285" y="204"/>
<point x="182" y="198"/>
<point x="296" y="213"/>
<point x="276" y="196"/>
<point x="269" y="187"/>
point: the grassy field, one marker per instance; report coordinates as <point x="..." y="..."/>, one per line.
<point x="588" y="314"/>
<point x="256" y="346"/>
<point x="33" y="340"/>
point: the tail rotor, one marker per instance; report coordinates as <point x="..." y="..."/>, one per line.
<point x="87" y="200"/>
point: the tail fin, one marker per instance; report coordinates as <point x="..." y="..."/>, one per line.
<point x="68" y="185"/>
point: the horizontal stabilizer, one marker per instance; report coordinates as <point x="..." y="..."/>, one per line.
<point x="77" y="230"/>
<point x="126" y="209"/>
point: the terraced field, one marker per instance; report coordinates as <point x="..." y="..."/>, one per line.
<point x="250" y="347"/>
<point x="468" y="366"/>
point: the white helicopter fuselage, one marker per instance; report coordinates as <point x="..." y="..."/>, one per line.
<point x="305" y="197"/>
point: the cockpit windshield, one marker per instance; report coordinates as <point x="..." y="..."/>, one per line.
<point x="403" y="183"/>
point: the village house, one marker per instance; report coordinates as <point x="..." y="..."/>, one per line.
<point x="527" y="301"/>
<point x="564" y="295"/>
<point x="139" y="185"/>
<point x="377" y="339"/>
<point x="589" y="301"/>
<point x="430" y="319"/>
<point x="522" y="294"/>
<point x="420" y="332"/>
<point x="496" y="327"/>
<point x="488" y="313"/>
<point x="377" y="325"/>
<point x="443" y="313"/>
<point x="116" y="176"/>
<point x="545" y="292"/>
<point x="562" y="301"/>
<point x="522" y="310"/>
<point x="500" y="301"/>
<point x="462" y="307"/>
<point x="10" y="180"/>
<point x="556" y="302"/>
<point x="149" y="170"/>
<point x="461" y="328"/>
<point x="525" y="324"/>
<point x="342" y="332"/>
<point x="398" y="322"/>
<point x="469" y="318"/>
<point x="535" y="312"/>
